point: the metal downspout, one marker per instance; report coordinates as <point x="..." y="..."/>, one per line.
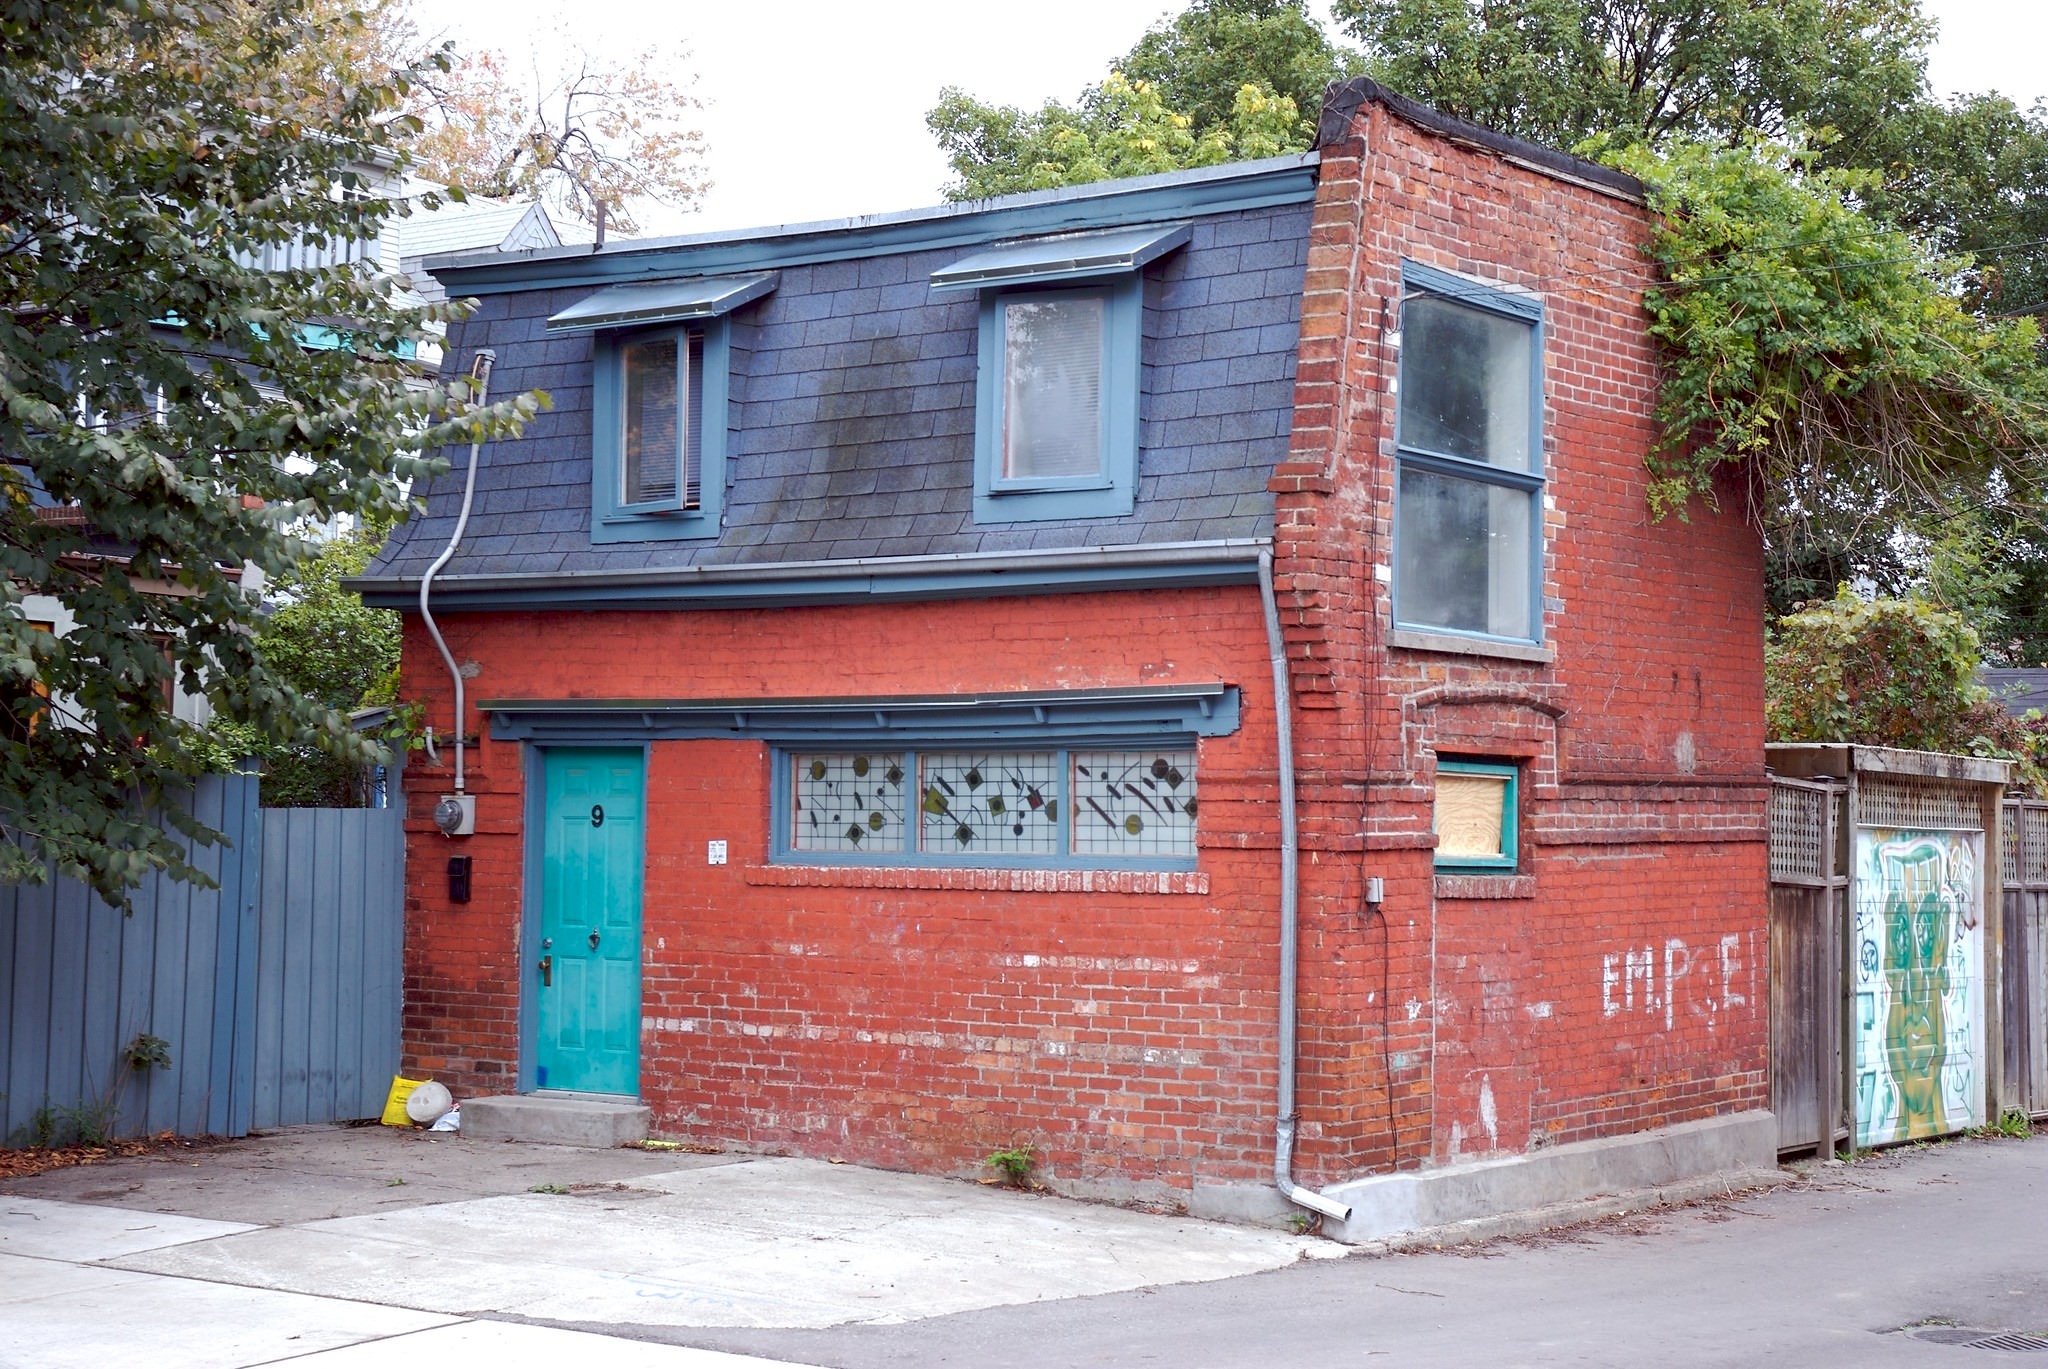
<point x="480" y="373"/>
<point x="1290" y="865"/>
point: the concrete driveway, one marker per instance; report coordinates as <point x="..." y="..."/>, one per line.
<point x="324" y="1244"/>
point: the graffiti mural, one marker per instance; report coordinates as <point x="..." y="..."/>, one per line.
<point x="1918" y="1014"/>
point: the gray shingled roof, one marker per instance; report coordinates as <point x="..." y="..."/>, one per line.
<point x="852" y="418"/>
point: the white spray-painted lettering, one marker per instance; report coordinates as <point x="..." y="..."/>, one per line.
<point x="1656" y="980"/>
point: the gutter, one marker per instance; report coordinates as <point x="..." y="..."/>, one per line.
<point x="1224" y="561"/>
<point x="1290" y="949"/>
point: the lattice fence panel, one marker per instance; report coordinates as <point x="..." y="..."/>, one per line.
<point x="1906" y="801"/>
<point x="1798" y="831"/>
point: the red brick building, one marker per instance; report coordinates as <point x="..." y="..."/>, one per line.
<point x="875" y="632"/>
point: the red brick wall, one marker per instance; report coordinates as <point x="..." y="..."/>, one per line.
<point x="1471" y="1016"/>
<point x="1124" y="1024"/>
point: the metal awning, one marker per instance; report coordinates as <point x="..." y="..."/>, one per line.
<point x="1072" y="256"/>
<point x="667" y="301"/>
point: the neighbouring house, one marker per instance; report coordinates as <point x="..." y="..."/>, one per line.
<point x="871" y="661"/>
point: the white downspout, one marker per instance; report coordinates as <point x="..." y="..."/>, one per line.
<point x="1290" y="864"/>
<point x="480" y="375"/>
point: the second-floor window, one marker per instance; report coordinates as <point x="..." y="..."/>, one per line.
<point x="1468" y="512"/>
<point x="661" y="422"/>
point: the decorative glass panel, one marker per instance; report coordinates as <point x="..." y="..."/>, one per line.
<point x="1471" y="817"/>
<point x="1464" y="560"/>
<point x="1465" y="382"/>
<point x="1052" y="388"/>
<point x="1003" y="802"/>
<point x="651" y="450"/>
<point x="849" y="801"/>
<point x="1134" y="803"/>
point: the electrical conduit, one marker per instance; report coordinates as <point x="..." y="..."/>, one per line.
<point x="1290" y="865"/>
<point x="480" y="378"/>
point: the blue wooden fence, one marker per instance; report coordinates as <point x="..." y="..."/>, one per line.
<point x="277" y="993"/>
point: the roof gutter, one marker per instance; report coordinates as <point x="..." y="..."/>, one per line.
<point x="851" y="580"/>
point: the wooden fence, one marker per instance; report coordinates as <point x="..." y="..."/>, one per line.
<point x="2024" y="942"/>
<point x="275" y="996"/>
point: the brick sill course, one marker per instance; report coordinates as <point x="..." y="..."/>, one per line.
<point x="1000" y="881"/>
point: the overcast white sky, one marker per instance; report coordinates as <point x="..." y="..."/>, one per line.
<point x="814" y="109"/>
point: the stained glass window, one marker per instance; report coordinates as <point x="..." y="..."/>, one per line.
<point x="847" y="801"/>
<point x="993" y="807"/>
<point x="994" y="801"/>
<point x="1134" y="803"/>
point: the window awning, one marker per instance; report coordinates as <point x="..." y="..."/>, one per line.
<point x="668" y="301"/>
<point x="1074" y="256"/>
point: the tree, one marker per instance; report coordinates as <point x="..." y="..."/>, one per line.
<point x="1226" y="80"/>
<point x="180" y="406"/>
<point x="581" y="133"/>
<point x="322" y="640"/>
<point x="1558" y="72"/>
<point x="1809" y="344"/>
<point x="1891" y="672"/>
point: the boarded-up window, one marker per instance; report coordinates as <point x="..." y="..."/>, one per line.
<point x="1475" y="815"/>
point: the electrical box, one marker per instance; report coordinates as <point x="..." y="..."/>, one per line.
<point x="458" y="879"/>
<point x="455" y="815"/>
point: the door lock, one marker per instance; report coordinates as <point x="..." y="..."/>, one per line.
<point x="547" y="971"/>
<point x="593" y="941"/>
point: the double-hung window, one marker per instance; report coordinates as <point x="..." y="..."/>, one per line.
<point x="660" y="369"/>
<point x="1058" y="371"/>
<point x="1468" y="511"/>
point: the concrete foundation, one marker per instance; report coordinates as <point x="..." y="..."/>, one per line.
<point x="555" y="1119"/>
<point x="1471" y="1196"/>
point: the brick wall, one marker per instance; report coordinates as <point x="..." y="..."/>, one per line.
<point x="1618" y="980"/>
<point x="1123" y="1023"/>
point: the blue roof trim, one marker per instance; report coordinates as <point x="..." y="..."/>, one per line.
<point x="1202" y="710"/>
<point x="1104" y="204"/>
<point x="1065" y="257"/>
<point x="626" y="306"/>
<point x="735" y="587"/>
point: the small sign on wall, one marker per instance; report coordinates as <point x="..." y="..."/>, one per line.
<point x="714" y="852"/>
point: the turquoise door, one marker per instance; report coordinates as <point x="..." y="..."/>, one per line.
<point x="585" y="974"/>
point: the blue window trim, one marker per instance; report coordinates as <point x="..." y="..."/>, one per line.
<point x="1510" y="842"/>
<point x="1016" y="721"/>
<point x="1113" y="493"/>
<point x="910" y="748"/>
<point x="612" y="520"/>
<point x="1417" y="279"/>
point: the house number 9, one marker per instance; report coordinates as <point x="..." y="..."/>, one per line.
<point x="597" y="815"/>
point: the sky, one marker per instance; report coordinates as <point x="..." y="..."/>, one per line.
<point x="814" y="109"/>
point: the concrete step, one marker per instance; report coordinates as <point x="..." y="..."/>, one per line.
<point x="555" y="1119"/>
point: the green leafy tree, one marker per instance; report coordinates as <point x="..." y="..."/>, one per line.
<point x="1890" y="672"/>
<point x="322" y="640"/>
<point x="179" y="405"/>
<point x="1226" y="80"/>
<point x="1809" y="345"/>
<point x="1559" y="72"/>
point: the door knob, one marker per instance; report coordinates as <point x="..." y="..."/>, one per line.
<point x="547" y="971"/>
<point x="593" y="941"/>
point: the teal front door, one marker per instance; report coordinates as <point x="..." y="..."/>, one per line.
<point x="584" y="977"/>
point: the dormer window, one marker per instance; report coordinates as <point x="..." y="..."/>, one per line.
<point x="1058" y="373"/>
<point x="659" y="376"/>
<point x="661" y="422"/>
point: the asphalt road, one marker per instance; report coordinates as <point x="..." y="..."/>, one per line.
<point x="1851" y="1265"/>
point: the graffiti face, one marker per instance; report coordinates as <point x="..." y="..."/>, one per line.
<point x="1915" y="1027"/>
<point x="1918" y="997"/>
